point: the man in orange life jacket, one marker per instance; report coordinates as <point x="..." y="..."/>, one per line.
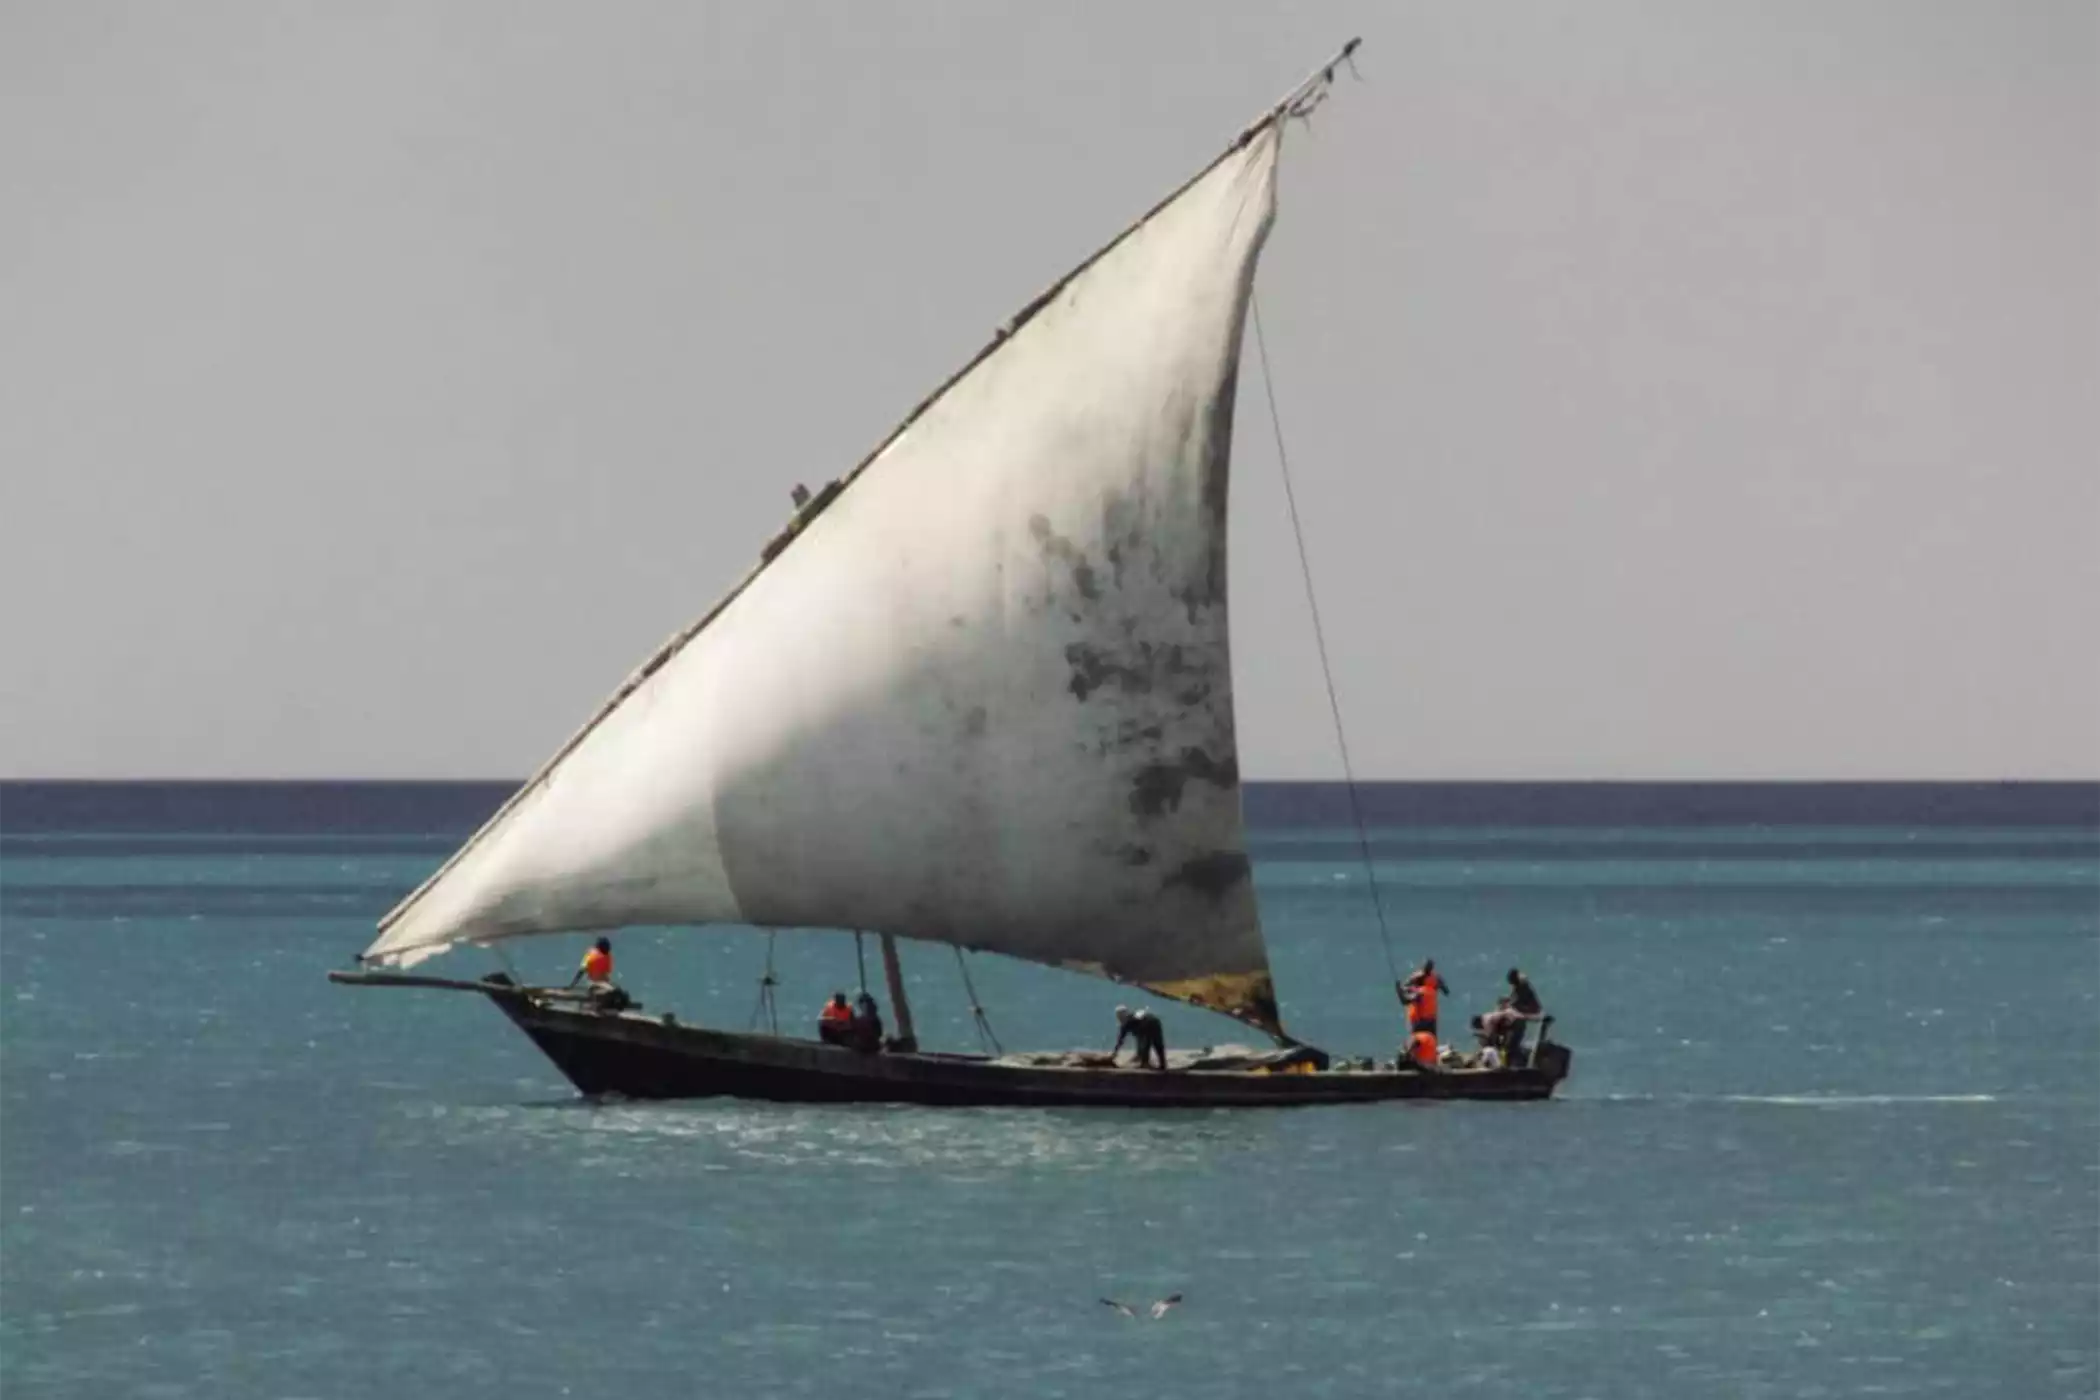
<point x="835" y="1021"/>
<point x="596" y="967"/>
<point x="1419" y="994"/>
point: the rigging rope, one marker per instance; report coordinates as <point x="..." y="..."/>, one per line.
<point x="1334" y="705"/>
<point x="765" y="992"/>
<point x="984" y="1026"/>
<point x="860" y="956"/>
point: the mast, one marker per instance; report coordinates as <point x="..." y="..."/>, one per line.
<point x="893" y="972"/>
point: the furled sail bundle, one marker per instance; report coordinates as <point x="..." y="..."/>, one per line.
<point x="981" y="695"/>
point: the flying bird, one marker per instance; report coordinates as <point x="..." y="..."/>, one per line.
<point x="1158" y="1309"/>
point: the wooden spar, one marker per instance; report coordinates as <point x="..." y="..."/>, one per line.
<point x="496" y="985"/>
<point x="894" y="972"/>
<point x="411" y="979"/>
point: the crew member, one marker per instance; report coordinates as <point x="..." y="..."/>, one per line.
<point x="1496" y="1027"/>
<point x="835" y="1021"/>
<point x="596" y="967"/>
<point x="866" y="1025"/>
<point x="1419" y="995"/>
<point x="1487" y="1038"/>
<point x="1143" y="1027"/>
<point x="1523" y="1007"/>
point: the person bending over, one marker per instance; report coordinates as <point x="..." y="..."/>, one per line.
<point x="1143" y="1027"/>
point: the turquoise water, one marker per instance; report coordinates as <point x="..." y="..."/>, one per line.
<point x="1833" y="1131"/>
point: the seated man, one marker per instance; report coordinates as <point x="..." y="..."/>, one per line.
<point x="1151" y="1037"/>
<point x="596" y="969"/>
<point x="835" y="1021"/>
<point x="1495" y="1027"/>
<point x="866" y="1026"/>
<point x="596" y="975"/>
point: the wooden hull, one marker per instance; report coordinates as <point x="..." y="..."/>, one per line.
<point x="645" y="1057"/>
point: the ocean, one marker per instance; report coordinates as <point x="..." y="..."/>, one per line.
<point x="1833" y="1127"/>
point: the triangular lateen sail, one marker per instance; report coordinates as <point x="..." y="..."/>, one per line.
<point x="983" y="696"/>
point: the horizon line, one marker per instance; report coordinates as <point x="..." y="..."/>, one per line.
<point x="199" y="781"/>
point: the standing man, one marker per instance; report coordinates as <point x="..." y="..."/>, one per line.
<point x="1145" y="1028"/>
<point x="1420" y="994"/>
<point x="1523" y="1008"/>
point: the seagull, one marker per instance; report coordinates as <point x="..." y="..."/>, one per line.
<point x="1158" y="1309"/>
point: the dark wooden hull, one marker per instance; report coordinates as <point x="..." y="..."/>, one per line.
<point x="646" y="1057"/>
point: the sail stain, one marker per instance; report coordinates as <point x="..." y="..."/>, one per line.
<point x="1156" y="788"/>
<point x="1062" y="550"/>
<point x="1216" y="428"/>
<point x="1213" y="873"/>
<point x="1130" y="735"/>
<point x="1136" y="671"/>
<point x="1123" y="527"/>
<point x="1093" y="668"/>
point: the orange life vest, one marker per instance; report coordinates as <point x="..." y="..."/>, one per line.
<point x="1422" y="1049"/>
<point x="597" y="965"/>
<point x="834" y="1012"/>
<point x="1421" y="1012"/>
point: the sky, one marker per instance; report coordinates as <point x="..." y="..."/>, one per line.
<point x="1671" y="390"/>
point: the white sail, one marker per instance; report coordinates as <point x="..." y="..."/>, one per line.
<point x="982" y="697"/>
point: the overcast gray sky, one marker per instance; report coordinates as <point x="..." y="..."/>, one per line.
<point x="1672" y="389"/>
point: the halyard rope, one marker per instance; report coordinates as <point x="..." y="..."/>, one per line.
<point x="765" y="1005"/>
<point x="1334" y="705"/>
<point x="984" y="1025"/>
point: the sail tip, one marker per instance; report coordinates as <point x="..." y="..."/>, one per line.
<point x="1308" y="94"/>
